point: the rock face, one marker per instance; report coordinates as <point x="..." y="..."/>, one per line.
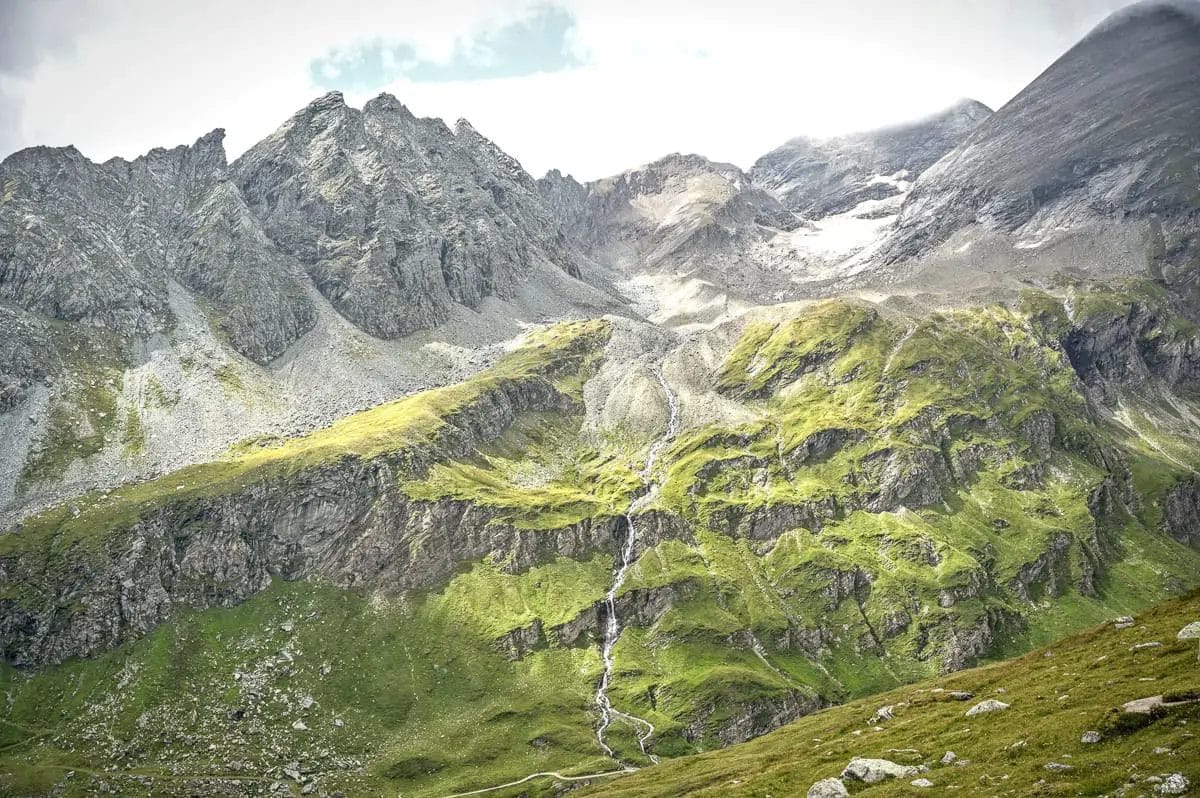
<point x="1130" y="348"/>
<point x="1103" y="138"/>
<point x="341" y="522"/>
<point x="823" y="177"/>
<point x="26" y="356"/>
<point x="1181" y="512"/>
<point x="397" y="218"/>
<point x="98" y="243"/>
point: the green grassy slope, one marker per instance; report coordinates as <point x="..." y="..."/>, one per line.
<point x="426" y="703"/>
<point x="1056" y="695"/>
<point x="415" y="426"/>
<point x="910" y="495"/>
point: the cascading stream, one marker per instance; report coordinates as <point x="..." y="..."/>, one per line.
<point x="612" y="627"/>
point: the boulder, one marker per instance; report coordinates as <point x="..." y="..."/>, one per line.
<point x="828" y="788"/>
<point x="921" y="783"/>
<point x="873" y="771"/>
<point x="1191" y="632"/>
<point x="1090" y="738"/>
<point x="984" y="707"/>
<point x="1174" y="784"/>
<point x="1150" y="704"/>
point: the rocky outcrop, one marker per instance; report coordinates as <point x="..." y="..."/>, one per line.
<point x="841" y="585"/>
<point x="1115" y="494"/>
<point x="910" y="478"/>
<point x="641" y="607"/>
<point x="741" y="722"/>
<point x="822" y="444"/>
<point x="1049" y="572"/>
<point x="1181" y="512"/>
<point x="955" y="645"/>
<point x="1134" y="348"/>
<point x="768" y="523"/>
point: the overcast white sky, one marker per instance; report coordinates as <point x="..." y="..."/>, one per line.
<point x="592" y="87"/>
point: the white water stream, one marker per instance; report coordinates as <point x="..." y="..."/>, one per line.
<point x="612" y="627"/>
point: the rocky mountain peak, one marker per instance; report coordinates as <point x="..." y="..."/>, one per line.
<point x="1106" y="137"/>
<point x="326" y="114"/>
<point x="387" y="104"/>
<point x="555" y="176"/>
<point x="203" y="160"/>
<point x="1154" y="12"/>
<point x="823" y="177"/>
<point x="966" y="110"/>
<point x="397" y="219"/>
<point x="330" y="100"/>
<point x="30" y="156"/>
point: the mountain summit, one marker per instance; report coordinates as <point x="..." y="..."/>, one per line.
<point x="820" y="177"/>
<point x="1102" y="144"/>
<point x="397" y="218"/>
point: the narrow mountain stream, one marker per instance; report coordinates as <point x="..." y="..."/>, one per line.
<point x="612" y="627"/>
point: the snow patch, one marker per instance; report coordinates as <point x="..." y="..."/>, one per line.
<point x="835" y="246"/>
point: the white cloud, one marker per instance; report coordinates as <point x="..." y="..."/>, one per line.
<point x="728" y="80"/>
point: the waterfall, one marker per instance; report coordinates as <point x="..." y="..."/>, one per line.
<point x="612" y="625"/>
